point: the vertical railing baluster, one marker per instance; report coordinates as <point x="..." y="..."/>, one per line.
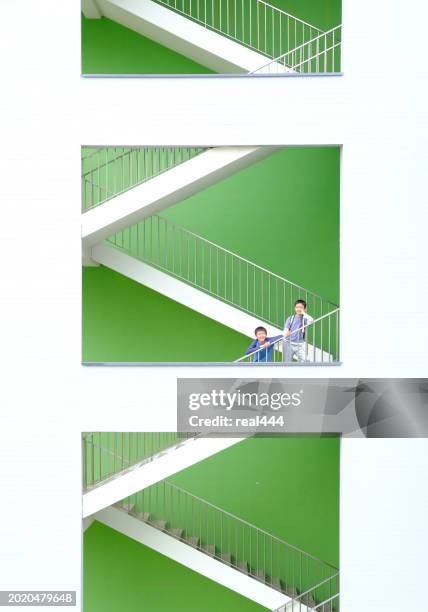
<point x="251" y="24"/>
<point x="217" y="272"/>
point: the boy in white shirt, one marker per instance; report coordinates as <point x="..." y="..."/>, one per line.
<point x="294" y="344"/>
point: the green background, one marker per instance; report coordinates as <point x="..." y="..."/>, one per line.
<point x="296" y="187"/>
<point x="288" y="486"/>
<point x="125" y="321"/>
<point x="122" y="575"/>
<point x="109" y="48"/>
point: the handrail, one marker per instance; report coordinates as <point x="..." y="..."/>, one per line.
<point x="281" y="60"/>
<point x="291" y="605"/>
<point x="255" y="24"/>
<point x="290" y="15"/>
<point x="244" y="259"/>
<point x="94" y="151"/>
<point x="305" y="600"/>
<point x="234" y="516"/>
<point x="107" y="454"/>
<point x="326" y="601"/>
<point x="216" y="270"/>
<point x="230" y="539"/>
<point x="126" y="151"/>
<point x="115" y="173"/>
<point x="325" y="581"/>
<point x="308" y="42"/>
<point x="276" y="343"/>
<point x="318" y="54"/>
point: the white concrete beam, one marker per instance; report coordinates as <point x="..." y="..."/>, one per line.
<point x="90" y="9"/>
<point x="87" y="522"/>
<point x="167" y="189"/>
<point x="193" y="559"/>
<point x="141" y="476"/>
<point x="183" y="35"/>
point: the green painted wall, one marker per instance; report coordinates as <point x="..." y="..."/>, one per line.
<point x="324" y="14"/>
<point x="250" y="211"/>
<point x="121" y="574"/>
<point x="288" y="486"/>
<point x="109" y="48"/>
<point x="124" y="321"/>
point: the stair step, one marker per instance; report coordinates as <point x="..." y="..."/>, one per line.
<point x="128" y="507"/>
<point x="209" y="548"/>
<point x="308" y="601"/>
<point x="276" y="584"/>
<point x="143" y="516"/>
<point x="226" y="558"/>
<point x="291" y="591"/>
<point x="193" y="541"/>
<point x="243" y="566"/>
<point x="159" y="524"/>
<point x="177" y="532"/>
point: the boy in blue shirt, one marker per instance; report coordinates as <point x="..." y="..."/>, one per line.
<point x="262" y="342"/>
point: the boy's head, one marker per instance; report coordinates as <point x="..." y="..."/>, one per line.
<point x="260" y="334"/>
<point x="300" y="307"/>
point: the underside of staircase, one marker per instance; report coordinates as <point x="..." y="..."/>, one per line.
<point x="184" y="293"/>
<point x="192" y="554"/>
<point x="145" y="473"/>
<point x="163" y="190"/>
<point x="179" y="33"/>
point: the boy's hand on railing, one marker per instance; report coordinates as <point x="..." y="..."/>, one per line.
<point x="287" y="333"/>
<point x="265" y="345"/>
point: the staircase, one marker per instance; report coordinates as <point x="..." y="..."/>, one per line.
<point x="302" y="578"/>
<point x="122" y="185"/>
<point x="110" y="171"/>
<point x="320" y="55"/>
<point x="217" y="283"/>
<point x="116" y="465"/>
<point x="227" y="36"/>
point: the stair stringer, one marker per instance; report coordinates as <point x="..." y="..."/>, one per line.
<point x="182" y="35"/>
<point x="90" y="9"/>
<point x="192" y="558"/>
<point x="144" y="475"/>
<point x="167" y="189"/>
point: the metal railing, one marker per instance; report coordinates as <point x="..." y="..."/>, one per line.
<point x="318" y="55"/>
<point x="105" y="454"/>
<point x="323" y="597"/>
<point x="110" y="171"/>
<point x="216" y="271"/>
<point x="253" y="23"/>
<point x="318" y="344"/>
<point x="230" y="539"/>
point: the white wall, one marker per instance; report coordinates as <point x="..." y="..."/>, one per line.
<point x="377" y="111"/>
